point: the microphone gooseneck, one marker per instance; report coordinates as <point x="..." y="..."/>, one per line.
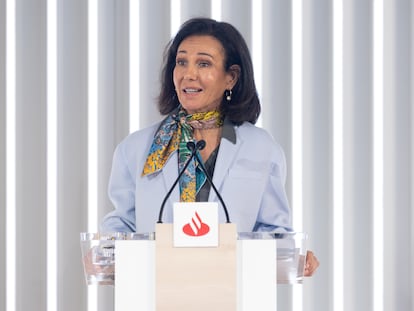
<point x="200" y="146"/>
<point x="193" y="147"/>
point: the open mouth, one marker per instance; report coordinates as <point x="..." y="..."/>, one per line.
<point x="191" y="90"/>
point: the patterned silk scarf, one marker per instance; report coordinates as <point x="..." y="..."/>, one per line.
<point x="174" y="133"/>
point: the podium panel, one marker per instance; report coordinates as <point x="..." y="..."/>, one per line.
<point x="257" y="274"/>
<point x="239" y="275"/>
<point x="135" y="275"/>
<point x="149" y="274"/>
<point x="205" y="277"/>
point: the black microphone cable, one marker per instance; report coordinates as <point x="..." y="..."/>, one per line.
<point x="200" y="146"/>
<point x="193" y="148"/>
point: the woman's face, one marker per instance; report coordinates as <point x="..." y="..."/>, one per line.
<point x="199" y="76"/>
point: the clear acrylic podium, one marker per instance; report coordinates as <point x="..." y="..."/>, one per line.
<point x="241" y="274"/>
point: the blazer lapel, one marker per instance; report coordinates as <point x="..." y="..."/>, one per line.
<point x="226" y="156"/>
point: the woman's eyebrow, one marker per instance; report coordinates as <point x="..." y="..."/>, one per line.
<point x="199" y="53"/>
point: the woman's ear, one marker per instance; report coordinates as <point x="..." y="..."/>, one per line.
<point x="234" y="74"/>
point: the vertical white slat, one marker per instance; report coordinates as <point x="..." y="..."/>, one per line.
<point x="321" y="95"/>
<point x="93" y="74"/>
<point x="397" y="156"/>
<point x="93" y="60"/>
<point x="92" y="132"/>
<point x="72" y="151"/>
<point x="175" y="17"/>
<point x="10" y="156"/>
<point x="338" y="173"/>
<point x="378" y="154"/>
<point x="30" y="157"/>
<point x="216" y="9"/>
<point x="152" y="45"/>
<point x="241" y="17"/>
<point x="412" y="149"/>
<point x="134" y="65"/>
<point x="389" y="300"/>
<point x="357" y="155"/>
<point x="51" y="156"/>
<point x="257" y="49"/>
<point x="298" y="67"/>
<point x="3" y="153"/>
<point x="298" y="35"/>
<point x="194" y="8"/>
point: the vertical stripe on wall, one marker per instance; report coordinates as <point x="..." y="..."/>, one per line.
<point x="154" y="34"/>
<point x="3" y="154"/>
<point x="321" y="152"/>
<point x="10" y="156"/>
<point x="30" y="157"/>
<point x="358" y="155"/>
<point x="378" y="156"/>
<point x="335" y="80"/>
<point x="72" y="135"/>
<point x="51" y="155"/>
<point x="398" y="137"/>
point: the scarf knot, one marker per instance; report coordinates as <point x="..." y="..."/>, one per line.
<point x="173" y="134"/>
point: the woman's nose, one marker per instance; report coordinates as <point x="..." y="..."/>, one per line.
<point x="190" y="73"/>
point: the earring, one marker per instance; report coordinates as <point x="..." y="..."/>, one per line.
<point x="228" y="95"/>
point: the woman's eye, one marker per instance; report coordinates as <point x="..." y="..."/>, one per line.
<point x="204" y="64"/>
<point x="180" y="62"/>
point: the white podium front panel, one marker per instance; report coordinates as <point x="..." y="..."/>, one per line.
<point x="256" y="275"/>
<point x="135" y="275"/>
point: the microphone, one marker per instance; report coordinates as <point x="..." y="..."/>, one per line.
<point x="200" y="146"/>
<point x="193" y="148"/>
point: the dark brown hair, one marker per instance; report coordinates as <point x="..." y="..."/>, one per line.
<point x="245" y="105"/>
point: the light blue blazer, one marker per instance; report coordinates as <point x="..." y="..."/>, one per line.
<point x="250" y="176"/>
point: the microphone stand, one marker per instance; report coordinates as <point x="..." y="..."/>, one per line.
<point x="194" y="150"/>
<point x="194" y="147"/>
<point x="203" y="168"/>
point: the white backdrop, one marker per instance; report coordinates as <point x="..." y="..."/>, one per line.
<point x="336" y="83"/>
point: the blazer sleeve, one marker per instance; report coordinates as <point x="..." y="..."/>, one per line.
<point x="274" y="213"/>
<point x="121" y="190"/>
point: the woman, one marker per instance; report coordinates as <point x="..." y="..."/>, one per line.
<point x="208" y="93"/>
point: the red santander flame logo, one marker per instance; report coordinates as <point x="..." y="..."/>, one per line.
<point x="196" y="227"/>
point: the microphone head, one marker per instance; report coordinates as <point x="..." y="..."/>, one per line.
<point x="191" y="145"/>
<point x="201" y="144"/>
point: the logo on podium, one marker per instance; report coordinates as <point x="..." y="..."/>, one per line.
<point x="196" y="227"/>
<point x="196" y="224"/>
